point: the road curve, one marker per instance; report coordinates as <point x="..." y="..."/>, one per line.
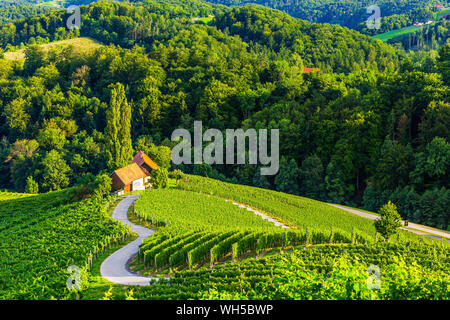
<point x="115" y="267"/>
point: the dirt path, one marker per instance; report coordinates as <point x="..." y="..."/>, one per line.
<point x="412" y="227"/>
<point x="115" y="267"/>
<point x="262" y="215"/>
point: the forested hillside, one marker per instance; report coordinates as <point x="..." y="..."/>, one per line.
<point x="348" y="13"/>
<point x="431" y="37"/>
<point x="394" y="14"/>
<point x="10" y="12"/>
<point x="370" y="126"/>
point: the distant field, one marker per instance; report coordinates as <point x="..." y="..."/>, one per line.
<point x="396" y="33"/>
<point x="205" y="20"/>
<point x="80" y="45"/>
<point x="442" y="13"/>
<point x="52" y="3"/>
<point x="5" y="195"/>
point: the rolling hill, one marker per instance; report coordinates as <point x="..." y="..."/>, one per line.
<point x="366" y="127"/>
<point x="46" y="235"/>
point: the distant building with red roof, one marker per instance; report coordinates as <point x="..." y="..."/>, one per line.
<point x="308" y="70"/>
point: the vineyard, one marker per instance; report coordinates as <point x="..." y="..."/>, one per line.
<point x="199" y="227"/>
<point x="318" y="272"/>
<point x="183" y="210"/>
<point x="290" y="209"/>
<point x="206" y="247"/>
<point x="41" y="236"/>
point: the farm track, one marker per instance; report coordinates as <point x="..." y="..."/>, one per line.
<point x="262" y="215"/>
<point x="115" y="268"/>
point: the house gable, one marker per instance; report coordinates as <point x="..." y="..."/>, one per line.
<point x="142" y="160"/>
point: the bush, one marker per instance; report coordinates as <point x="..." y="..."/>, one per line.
<point x="91" y="186"/>
<point x="32" y="186"/>
<point x="390" y="220"/>
<point x="160" y="178"/>
<point x="176" y="174"/>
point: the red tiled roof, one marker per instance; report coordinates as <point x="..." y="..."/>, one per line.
<point x="130" y="173"/>
<point x="307" y="70"/>
<point x="140" y="158"/>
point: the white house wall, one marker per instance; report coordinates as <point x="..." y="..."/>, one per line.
<point x="138" y="185"/>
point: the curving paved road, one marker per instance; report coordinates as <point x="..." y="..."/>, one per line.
<point x="412" y="227"/>
<point x="115" y="267"/>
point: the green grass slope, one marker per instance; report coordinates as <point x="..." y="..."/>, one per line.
<point x="396" y="33"/>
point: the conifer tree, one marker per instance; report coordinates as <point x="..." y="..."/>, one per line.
<point x="118" y="129"/>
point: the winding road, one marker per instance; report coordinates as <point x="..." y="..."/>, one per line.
<point x="115" y="267"/>
<point x="412" y="227"/>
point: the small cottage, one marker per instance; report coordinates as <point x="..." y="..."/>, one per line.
<point x="129" y="178"/>
<point x="146" y="164"/>
<point x="134" y="177"/>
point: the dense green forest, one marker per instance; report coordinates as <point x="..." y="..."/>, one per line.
<point x="371" y="126"/>
<point x="430" y="37"/>
<point x="353" y="14"/>
<point x="10" y="13"/>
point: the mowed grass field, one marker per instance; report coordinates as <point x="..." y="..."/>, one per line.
<point x="396" y="33"/>
<point x="80" y="45"/>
